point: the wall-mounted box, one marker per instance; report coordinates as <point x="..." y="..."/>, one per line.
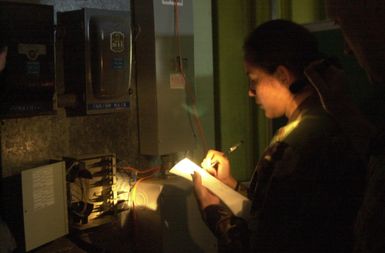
<point x="34" y="205"/>
<point x="165" y="123"/>
<point x="27" y="85"/>
<point x="97" y="53"/>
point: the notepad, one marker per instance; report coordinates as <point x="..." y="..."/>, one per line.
<point x="236" y="202"/>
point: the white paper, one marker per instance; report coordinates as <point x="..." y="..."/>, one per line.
<point x="43" y="188"/>
<point x="236" y="202"/>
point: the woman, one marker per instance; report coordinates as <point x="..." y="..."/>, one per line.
<point x="306" y="188"/>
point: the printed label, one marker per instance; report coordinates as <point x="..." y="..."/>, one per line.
<point x="172" y="2"/>
<point x="117" y="42"/>
<point x="33" y="68"/>
<point x="177" y="81"/>
<point x="32" y="51"/>
<point x="117" y="63"/>
<point x="103" y="106"/>
<point x="43" y="188"/>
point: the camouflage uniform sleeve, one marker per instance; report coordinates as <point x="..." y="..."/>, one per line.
<point x="231" y="231"/>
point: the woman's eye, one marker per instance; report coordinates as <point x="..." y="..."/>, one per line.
<point x="252" y="85"/>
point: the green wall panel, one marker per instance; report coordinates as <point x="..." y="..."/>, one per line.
<point x="234" y="115"/>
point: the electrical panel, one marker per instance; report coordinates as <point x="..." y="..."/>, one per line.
<point x="92" y="195"/>
<point x="27" y="85"/>
<point x="164" y="54"/>
<point x="97" y="59"/>
<point x="34" y="205"/>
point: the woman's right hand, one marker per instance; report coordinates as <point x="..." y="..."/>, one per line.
<point x="217" y="164"/>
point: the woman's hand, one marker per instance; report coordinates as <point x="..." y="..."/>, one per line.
<point x="217" y="164"/>
<point x="204" y="196"/>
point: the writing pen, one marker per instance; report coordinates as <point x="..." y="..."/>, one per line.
<point x="233" y="148"/>
<point x="226" y="153"/>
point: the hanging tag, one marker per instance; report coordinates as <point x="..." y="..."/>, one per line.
<point x="177" y="81"/>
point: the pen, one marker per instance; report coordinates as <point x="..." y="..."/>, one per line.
<point x="226" y="153"/>
<point x="233" y="148"/>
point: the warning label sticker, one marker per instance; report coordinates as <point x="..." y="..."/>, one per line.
<point x="172" y="2"/>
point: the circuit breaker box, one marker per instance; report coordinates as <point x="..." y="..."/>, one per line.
<point x="27" y="84"/>
<point x="97" y="55"/>
<point x="165" y="75"/>
<point x="91" y="183"/>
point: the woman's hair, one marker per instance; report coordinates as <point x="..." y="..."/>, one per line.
<point x="281" y="42"/>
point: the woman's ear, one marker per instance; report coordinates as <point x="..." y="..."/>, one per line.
<point x="284" y="75"/>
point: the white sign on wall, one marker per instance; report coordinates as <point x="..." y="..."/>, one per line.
<point x="172" y="2"/>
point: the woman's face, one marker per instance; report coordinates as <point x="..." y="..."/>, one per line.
<point x="269" y="92"/>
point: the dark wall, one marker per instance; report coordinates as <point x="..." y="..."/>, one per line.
<point x="26" y="142"/>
